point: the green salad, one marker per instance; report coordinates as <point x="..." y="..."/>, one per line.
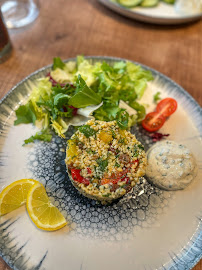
<point x="76" y="91"/>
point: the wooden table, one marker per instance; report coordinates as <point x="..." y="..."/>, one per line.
<point x="67" y="28"/>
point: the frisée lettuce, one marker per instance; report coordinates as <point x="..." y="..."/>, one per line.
<point x="76" y="91"/>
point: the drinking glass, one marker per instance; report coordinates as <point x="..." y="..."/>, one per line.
<point x="5" y="44"/>
<point x="19" y="13"/>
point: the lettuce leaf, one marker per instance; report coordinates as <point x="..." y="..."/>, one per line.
<point x="140" y="109"/>
<point x="62" y="76"/>
<point x="86" y="70"/>
<point x="140" y="86"/>
<point x="43" y="135"/>
<point x="130" y="110"/>
<point x="136" y="72"/>
<point x="60" y="99"/>
<point x="40" y="90"/>
<point x="84" y="96"/>
<point x="110" y="112"/>
<point x="107" y="112"/>
<point x="25" y="114"/>
<point x="122" y="119"/>
<point x="87" y="111"/>
<point x="63" y="73"/>
<point x="57" y="63"/>
<point x="60" y="127"/>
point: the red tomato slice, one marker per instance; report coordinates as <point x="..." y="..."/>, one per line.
<point x="166" y="106"/>
<point x="153" y="121"/>
<point x="78" y="178"/>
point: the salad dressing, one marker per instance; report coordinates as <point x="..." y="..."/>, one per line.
<point x="171" y="166"/>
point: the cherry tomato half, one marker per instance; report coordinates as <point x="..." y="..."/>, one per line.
<point x="166" y="106"/>
<point x="153" y="121"/>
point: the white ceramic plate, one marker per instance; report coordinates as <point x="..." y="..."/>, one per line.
<point x="161" y="14"/>
<point x="147" y="229"/>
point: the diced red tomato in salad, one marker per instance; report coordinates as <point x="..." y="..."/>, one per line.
<point x="127" y="179"/>
<point x="89" y="171"/>
<point x="78" y="178"/>
<point x="109" y="181"/>
<point x="136" y="162"/>
<point x="114" y="180"/>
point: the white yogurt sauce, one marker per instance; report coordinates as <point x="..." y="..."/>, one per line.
<point x="171" y="166"/>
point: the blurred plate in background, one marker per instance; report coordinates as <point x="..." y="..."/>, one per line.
<point x="161" y="14"/>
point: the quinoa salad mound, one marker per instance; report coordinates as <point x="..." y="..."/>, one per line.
<point x="103" y="161"/>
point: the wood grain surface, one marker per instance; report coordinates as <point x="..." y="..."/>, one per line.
<point x="67" y="28"/>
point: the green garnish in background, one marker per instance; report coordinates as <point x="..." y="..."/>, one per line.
<point x="157" y="97"/>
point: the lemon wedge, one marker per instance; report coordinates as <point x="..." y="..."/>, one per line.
<point x="41" y="211"/>
<point x="15" y="195"/>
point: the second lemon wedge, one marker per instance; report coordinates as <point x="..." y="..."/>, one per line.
<point x="42" y="212"/>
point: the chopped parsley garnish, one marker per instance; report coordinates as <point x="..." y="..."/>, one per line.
<point x="113" y="134"/>
<point x="136" y="151"/>
<point x="76" y="140"/>
<point x="102" y="163"/>
<point x="117" y="165"/>
<point x="106" y="195"/>
<point x="122" y="140"/>
<point x="87" y="131"/>
<point x="96" y="173"/>
<point x="89" y="151"/>
<point x="141" y="146"/>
